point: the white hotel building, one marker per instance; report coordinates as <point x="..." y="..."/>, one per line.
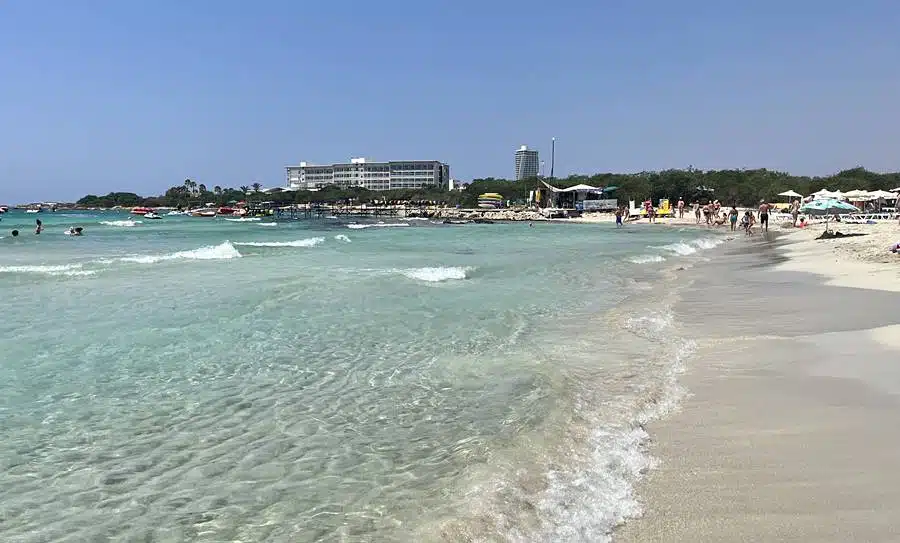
<point x="405" y="174"/>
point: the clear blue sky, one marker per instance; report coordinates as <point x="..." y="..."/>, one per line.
<point x="100" y="95"/>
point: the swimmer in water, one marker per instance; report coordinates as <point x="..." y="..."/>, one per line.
<point x="15" y="233"/>
<point x="39" y="227"/>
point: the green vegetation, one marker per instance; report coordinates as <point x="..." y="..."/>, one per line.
<point x="742" y="187"/>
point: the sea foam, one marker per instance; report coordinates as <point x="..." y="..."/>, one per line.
<point x="245" y="219"/>
<point x="646" y="259"/>
<point x="69" y="270"/>
<point x="123" y="224"/>
<point x="342" y="237"/>
<point x="685" y="248"/>
<point x="378" y="225"/>
<point x="309" y="242"/>
<point x="223" y="251"/>
<point x="436" y="275"/>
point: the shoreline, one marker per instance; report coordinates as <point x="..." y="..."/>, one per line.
<point x="788" y="430"/>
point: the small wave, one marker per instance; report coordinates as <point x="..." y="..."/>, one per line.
<point x="708" y="243"/>
<point x="223" y="251"/>
<point x="342" y="237"/>
<point x="680" y="248"/>
<point x="309" y="242"/>
<point x="245" y="219"/>
<point x="646" y="259"/>
<point x="267" y="224"/>
<point x="684" y="248"/>
<point x="436" y="275"/>
<point x="379" y="225"/>
<point x="69" y="270"/>
<point x="416" y="219"/>
<point x="124" y="224"/>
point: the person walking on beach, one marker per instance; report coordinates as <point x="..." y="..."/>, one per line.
<point x="747" y="222"/>
<point x="733" y="217"/>
<point x="619" y="217"/>
<point x="680" y="207"/>
<point x="764" y="215"/>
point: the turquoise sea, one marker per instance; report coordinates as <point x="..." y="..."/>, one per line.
<point x="196" y="379"/>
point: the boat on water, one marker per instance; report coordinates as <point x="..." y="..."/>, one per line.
<point x="174" y="213"/>
<point x="3" y="209"/>
<point x="141" y="210"/>
<point x="225" y="211"/>
<point x="203" y="212"/>
<point x="33" y="210"/>
<point x="151" y="215"/>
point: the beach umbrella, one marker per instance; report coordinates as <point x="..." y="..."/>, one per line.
<point x="884" y="194"/>
<point x="790" y="194"/>
<point x="827" y="195"/>
<point x="857" y="195"/>
<point x="827" y="207"/>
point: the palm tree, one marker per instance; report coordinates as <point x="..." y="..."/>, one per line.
<point x="245" y="189"/>
<point x="256" y="187"/>
<point x="217" y="190"/>
<point x="202" y="188"/>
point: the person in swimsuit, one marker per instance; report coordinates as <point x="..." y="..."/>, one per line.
<point x="619" y="217"/>
<point x="764" y="215"/>
<point x="795" y="211"/>
<point x="697" y="212"/>
<point x="39" y="227"/>
<point x="733" y="217"/>
<point x="680" y="208"/>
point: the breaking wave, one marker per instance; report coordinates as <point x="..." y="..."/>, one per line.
<point x="68" y="270"/>
<point x="378" y="225"/>
<point x="223" y="251"/>
<point x="245" y="219"/>
<point x="684" y="248"/>
<point x="309" y="242"/>
<point x="342" y="237"/>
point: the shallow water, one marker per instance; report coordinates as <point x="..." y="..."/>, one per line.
<point x="206" y="379"/>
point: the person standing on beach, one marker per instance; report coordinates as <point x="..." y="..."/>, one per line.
<point x="764" y="215"/>
<point x="680" y="207"/>
<point x="697" y="211"/>
<point x="619" y="217"/>
<point x="733" y="217"/>
<point x="795" y="211"/>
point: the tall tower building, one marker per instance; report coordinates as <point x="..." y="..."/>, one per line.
<point x="527" y="164"/>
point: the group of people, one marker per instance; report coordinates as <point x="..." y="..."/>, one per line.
<point x="39" y="227"/>
<point x="713" y="214"/>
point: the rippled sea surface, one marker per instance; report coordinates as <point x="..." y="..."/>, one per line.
<point x="216" y="380"/>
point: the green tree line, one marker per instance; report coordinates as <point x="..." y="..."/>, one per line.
<point x="739" y="187"/>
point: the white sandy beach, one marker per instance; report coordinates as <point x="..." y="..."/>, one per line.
<point x="792" y="425"/>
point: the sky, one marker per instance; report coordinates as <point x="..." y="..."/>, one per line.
<point x="104" y="95"/>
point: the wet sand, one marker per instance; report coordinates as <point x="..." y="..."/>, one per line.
<point x="792" y="427"/>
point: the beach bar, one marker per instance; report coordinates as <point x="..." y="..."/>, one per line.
<point x="571" y="201"/>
